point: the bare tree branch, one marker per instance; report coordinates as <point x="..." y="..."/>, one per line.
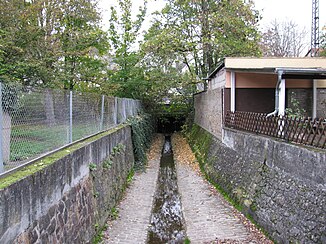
<point x="283" y="39"/>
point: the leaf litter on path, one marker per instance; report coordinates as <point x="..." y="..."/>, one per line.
<point x="184" y="155"/>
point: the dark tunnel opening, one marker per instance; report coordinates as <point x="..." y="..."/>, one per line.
<point x="168" y="124"/>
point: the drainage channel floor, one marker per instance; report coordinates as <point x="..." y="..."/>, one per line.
<point x="167" y="222"/>
<point x="202" y="216"/>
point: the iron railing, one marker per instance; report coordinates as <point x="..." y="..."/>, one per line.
<point x="35" y="121"/>
<point x="306" y="131"/>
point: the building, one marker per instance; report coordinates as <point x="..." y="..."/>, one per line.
<point x="262" y="85"/>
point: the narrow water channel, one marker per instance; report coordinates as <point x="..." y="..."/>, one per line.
<point x="167" y="223"/>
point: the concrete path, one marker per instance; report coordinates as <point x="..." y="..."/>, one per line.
<point x="206" y="216"/>
<point x="135" y="208"/>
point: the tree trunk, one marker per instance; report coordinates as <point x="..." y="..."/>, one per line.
<point x="6" y="135"/>
<point x="49" y="107"/>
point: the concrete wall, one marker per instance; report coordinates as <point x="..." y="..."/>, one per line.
<point x="67" y="200"/>
<point x="208" y="111"/>
<point x="282" y="186"/>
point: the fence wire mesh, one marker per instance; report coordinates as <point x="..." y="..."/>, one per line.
<point x="35" y="121"/>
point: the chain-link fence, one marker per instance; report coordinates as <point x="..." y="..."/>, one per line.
<point x="35" y="121"/>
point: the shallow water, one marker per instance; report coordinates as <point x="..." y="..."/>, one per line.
<point x="167" y="222"/>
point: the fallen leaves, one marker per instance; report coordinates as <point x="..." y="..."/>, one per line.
<point x="183" y="153"/>
<point x="154" y="153"/>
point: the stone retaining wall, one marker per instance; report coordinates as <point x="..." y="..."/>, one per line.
<point x="282" y="186"/>
<point x="67" y="201"/>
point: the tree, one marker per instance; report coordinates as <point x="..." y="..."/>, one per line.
<point x="283" y="39"/>
<point x="82" y="43"/>
<point x="187" y="40"/>
<point x="128" y="78"/>
<point x="323" y="42"/>
<point x="11" y="53"/>
<point x="47" y="42"/>
<point x="201" y="33"/>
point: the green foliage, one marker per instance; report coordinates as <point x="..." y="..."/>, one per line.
<point x="200" y="141"/>
<point x="196" y="35"/>
<point x="118" y="149"/>
<point x="38" y="139"/>
<point x="295" y="111"/>
<point x="115" y="151"/>
<point x="107" y="163"/>
<point x="130" y="176"/>
<point x="100" y="233"/>
<point x="92" y="166"/>
<point x="114" y="213"/>
<point x="128" y="77"/>
<point x="10" y="97"/>
<point x="323" y="42"/>
<point x="51" y="43"/>
<point x="187" y="241"/>
<point x="142" y="133"/>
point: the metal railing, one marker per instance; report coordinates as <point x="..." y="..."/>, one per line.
<point x="35" y="121"/>
<point x="306" y="131"/>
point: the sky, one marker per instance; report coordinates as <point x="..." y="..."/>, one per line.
<point x="299" y="11"/>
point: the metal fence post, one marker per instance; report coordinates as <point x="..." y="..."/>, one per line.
<point x="102" y="113"/>
<point x="116" y="110"/>
<point x="1" y="132"/>
<point x="70" y="117"/>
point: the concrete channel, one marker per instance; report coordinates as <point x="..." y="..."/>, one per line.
<point x="167" y="222"/>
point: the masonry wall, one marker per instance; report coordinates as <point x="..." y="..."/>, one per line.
<point x="321" y="103"/>
<point x="208" y="111"/>
<point x="300" y="99"/>
<point x="282" y="186"/>
<point x="70" y="199"/>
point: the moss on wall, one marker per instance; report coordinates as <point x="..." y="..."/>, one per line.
<point x="271" y="182"/>
<point x="205" y="149"/>
<point x="200" y="141"/>
<point x="44" y="162"/>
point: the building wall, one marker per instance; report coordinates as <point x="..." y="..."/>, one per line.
<point x="252" y="100"/>
<point x="208" y="111"/>
<point x="69" y="199"/>
<point x="321" y="83"/>
<point x="321" y="103"/>
<point x="300" y="100"/>
<point x="253" y="80"/>
<point x="259" y="80"/>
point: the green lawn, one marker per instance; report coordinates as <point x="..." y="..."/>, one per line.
<point x="28" y="141"/>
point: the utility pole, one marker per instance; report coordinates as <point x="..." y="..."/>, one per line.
<point x="315" y="29"/>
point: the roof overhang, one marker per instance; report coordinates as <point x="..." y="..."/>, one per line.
<point x="288" y="73"/>
<point x="292" y="68"/>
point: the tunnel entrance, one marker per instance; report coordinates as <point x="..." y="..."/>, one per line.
<point x="167" y="124"/>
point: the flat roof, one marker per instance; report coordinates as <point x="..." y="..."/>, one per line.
<point x="271" y="65"/>
<point x="259" y="63"/>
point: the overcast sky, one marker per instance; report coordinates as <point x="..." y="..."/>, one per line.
<point x="299" y="11"/>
